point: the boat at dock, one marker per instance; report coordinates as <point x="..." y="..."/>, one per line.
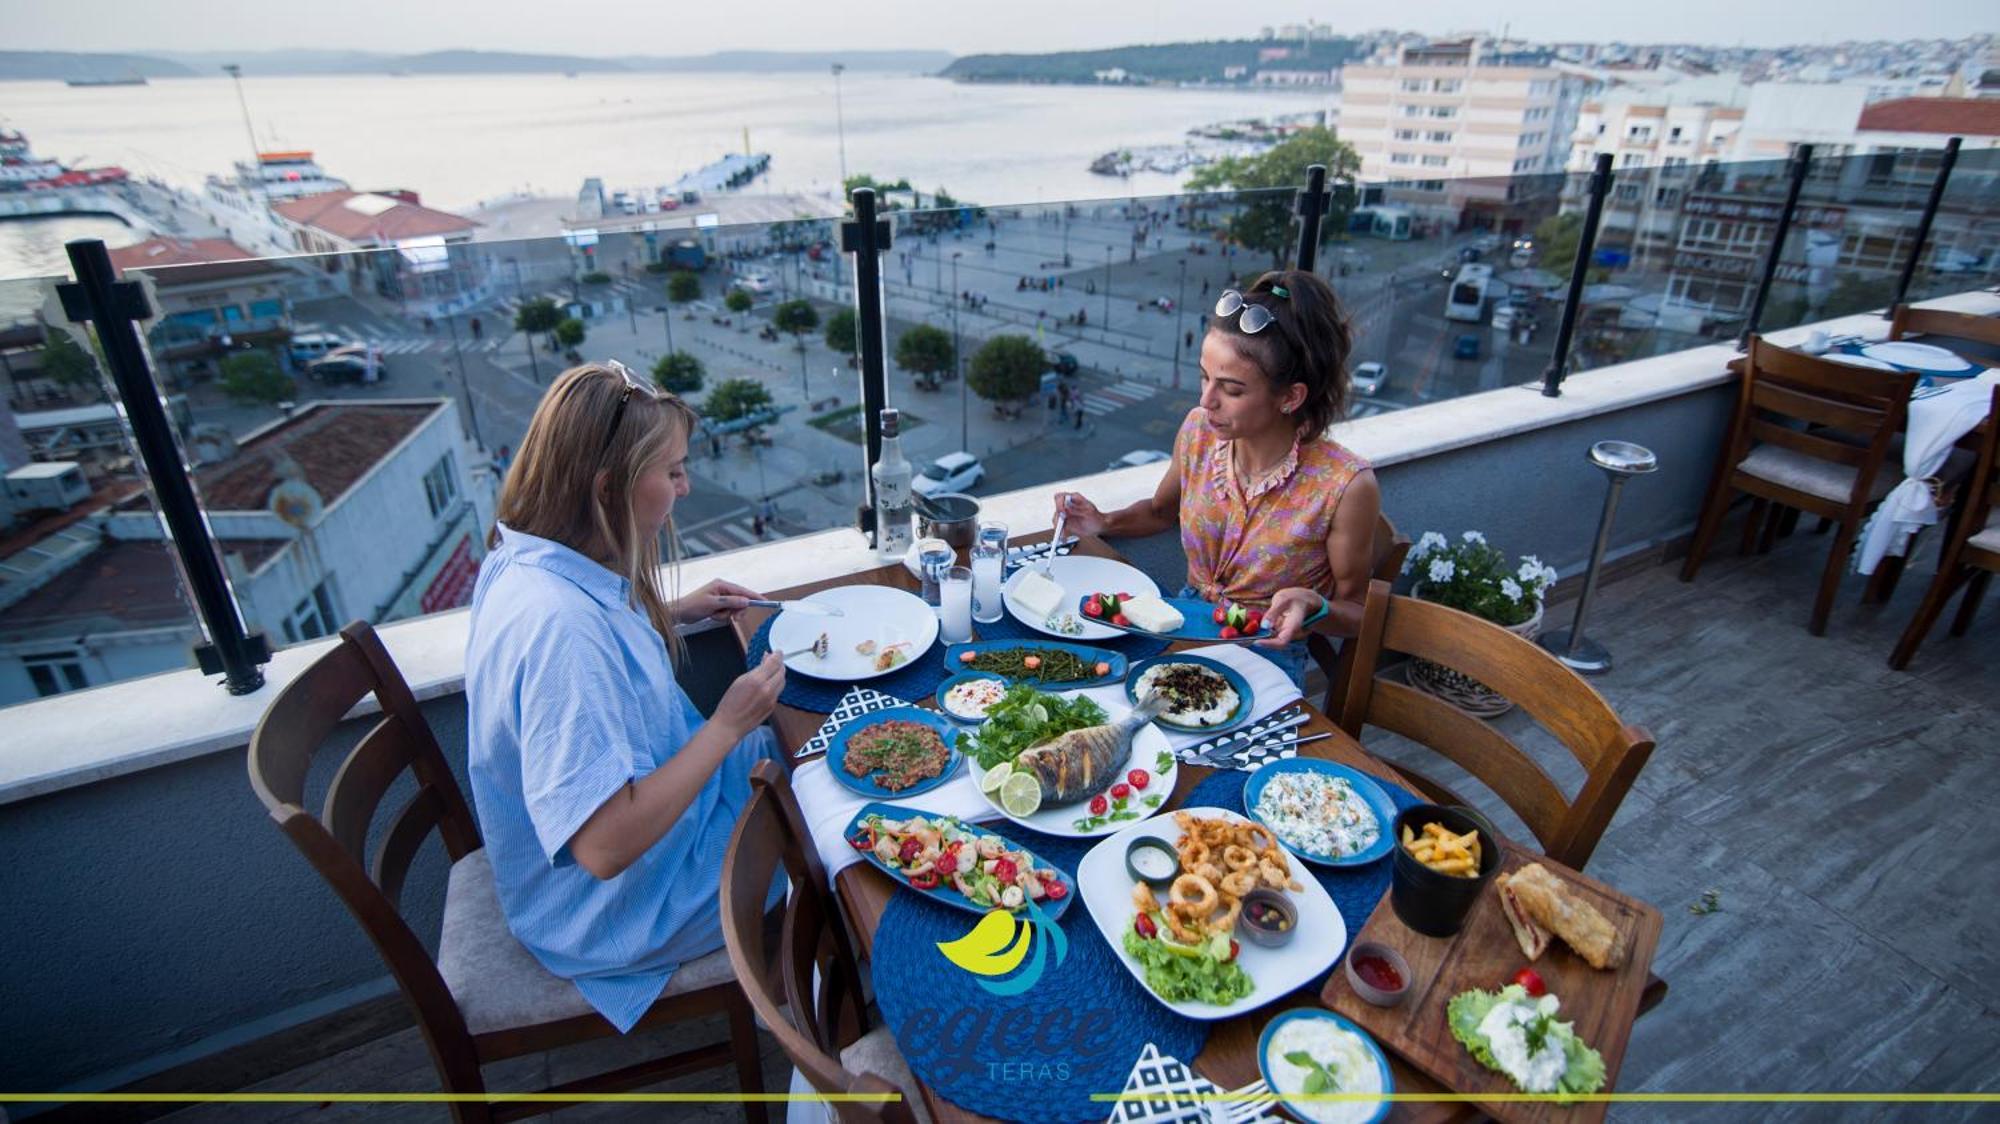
<point x="128" y="80"/>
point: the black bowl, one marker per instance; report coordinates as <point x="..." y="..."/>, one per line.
<point x="1431" y="903"/>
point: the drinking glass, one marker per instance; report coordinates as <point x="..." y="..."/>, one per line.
<point x="955" y="605"/>
<point x="989" y="554"/>
<point x="934" y="557"/>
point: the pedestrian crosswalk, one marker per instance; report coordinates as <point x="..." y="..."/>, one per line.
<point x="1101" y="400"/>
<point x="716" y="536"/>
<point x="404" y="344"/>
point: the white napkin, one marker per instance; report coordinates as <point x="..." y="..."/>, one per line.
<point x="1936" y="423"/>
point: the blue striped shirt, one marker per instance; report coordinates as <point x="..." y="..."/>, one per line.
<point x="570" y="696"/>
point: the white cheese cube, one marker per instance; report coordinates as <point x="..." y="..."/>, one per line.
<point x="1151" y="614"/>
<point x="1039" y="597"/>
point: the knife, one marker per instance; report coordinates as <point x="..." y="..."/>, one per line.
<point x="808" y="607"/>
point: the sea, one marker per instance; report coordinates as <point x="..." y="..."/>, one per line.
<point x="461" y="140"/>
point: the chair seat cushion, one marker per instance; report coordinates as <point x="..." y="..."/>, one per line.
<point x="876" y="1052"/>
<point x="1989" y="537"/>
<point x="1828" y="480"/>
<point x="498" y="983"/>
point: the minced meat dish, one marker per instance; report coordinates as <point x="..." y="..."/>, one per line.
<point x="898" y="754"/>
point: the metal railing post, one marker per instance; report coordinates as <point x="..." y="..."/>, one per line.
<point x="113" y="307"/>
<point x="865" y="237"/>
<point x="1311" y="204"/>
<point x="1579" y="271"/>
<point x="1801" y="164"/>
<point x="1924" y="224"/>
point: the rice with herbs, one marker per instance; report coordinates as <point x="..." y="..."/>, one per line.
<point x="897" y="753"/>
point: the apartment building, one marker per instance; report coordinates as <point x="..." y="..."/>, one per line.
<point x="1655" y="147"/>
<point x="1466" y="134"/>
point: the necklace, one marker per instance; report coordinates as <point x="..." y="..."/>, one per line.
<point x="1247" y="477"/>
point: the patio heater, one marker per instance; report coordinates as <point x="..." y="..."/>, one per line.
<point x="1620" y="461"/>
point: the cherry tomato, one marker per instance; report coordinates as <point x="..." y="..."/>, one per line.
<point x="1120" y="790"/>
<point x="1221" y="614"/>
<point x="1229" y="632"/>
<point x="865" y="841"/>
<point x="1006" y="871"/>
<point x="928" y="880"/>
<point x="1255" y="622"/>
<point x="1055" y="891"/>
<point x="1119" y="620"/>
<point x="1234" y="948"/>
<point x="947" y="863"/>
<point x="1139" y="778"/>
<point x="1099" y="805"/>
<point x="1093" y="608"/>
<point x="1531" y="981"/>
<point x="1102" y="668"/>
<point x="1143" y="924"/>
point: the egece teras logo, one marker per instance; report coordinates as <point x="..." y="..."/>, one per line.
<point x="998" y="945"/>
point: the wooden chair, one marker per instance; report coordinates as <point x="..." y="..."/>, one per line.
<point x="485" y="997"/>
<point x="1391" y="547"/>
<point x="1610" y="751"/>
<point x="1909" y="321"/>
<point x="1971" y="553"/>
<point x="1773" y="455"/>
<point x="809" y="994"/>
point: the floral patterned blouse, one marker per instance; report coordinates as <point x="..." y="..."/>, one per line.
<point x="1246" y="544"/>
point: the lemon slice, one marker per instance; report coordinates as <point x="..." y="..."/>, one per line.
<point x="995" y="776"/>
<point x="1021" y="794"/>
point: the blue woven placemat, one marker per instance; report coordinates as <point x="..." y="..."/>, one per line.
<point x="918" y="680"/>
<point x="1037" y="1056"/>
<point x="1355" y="890"/>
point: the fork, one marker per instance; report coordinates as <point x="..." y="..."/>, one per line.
<point x="1256" y="1098"/>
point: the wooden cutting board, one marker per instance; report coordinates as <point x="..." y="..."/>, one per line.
<point x="1485" y="955"/>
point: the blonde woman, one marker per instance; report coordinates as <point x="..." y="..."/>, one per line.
<point x="605" y="798"/>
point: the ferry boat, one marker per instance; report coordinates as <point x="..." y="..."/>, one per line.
<point x="243" y="201"/>
<point x="22" y="170"/>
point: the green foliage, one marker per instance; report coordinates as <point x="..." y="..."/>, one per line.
<point x="1165" y="62"/>
<point x="843" y="332"/>
<point x="597" y="277"/>
<point x="254" y="376"/>
<point x="538" y="315"/>
<point x="738" y="300"/>
<point x="1471" y="575"/>
<point x="927" y="351"/>
<point x="1006" y="369"/>
<point x="735" y="398"/>
<point x="849" y="185"/>
<point x="1556" y="241"/>
<point x="797" y="317"/>
<point x="679" y="372"/>
<point x="569" y="333"/>
<point x="1264" y="220"/>
<point x="683" y="287"/>
<point x="67" y="365"/>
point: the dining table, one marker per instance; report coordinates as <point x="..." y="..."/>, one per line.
<point x="1229" y="1057"/>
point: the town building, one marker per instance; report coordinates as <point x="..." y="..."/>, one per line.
<point x="211" y="295"/>
<point x="392" y="245"/>
<point x="1656" y="144"/>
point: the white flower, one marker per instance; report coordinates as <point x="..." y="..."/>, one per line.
<point x="1547" y="577"/>
<point x="1473" y="536"/>
<point x="1511" y="588"/>
<point x="1430" y="541"/>
<point x="1531" y="567"/>
<point x="1442" y="569"/>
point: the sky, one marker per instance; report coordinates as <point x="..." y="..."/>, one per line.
<point x="682" y="27"/>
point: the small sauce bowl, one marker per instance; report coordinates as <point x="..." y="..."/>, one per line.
<point x="1269" y="918"/>
<point x="1152" y="861"/>
<point x="1378" y="973"/>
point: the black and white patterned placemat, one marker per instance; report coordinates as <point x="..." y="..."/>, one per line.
<point x="855" y="703"/>
<point x="1258" y="752"/>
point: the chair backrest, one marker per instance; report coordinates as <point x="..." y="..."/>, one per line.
<point x="1610" y="751"/>
<point x="806" y="1020"/>
<point x="335" y="840"/>
<point x="1807" y="405"/>
<point x="1909" y="321"/>
<point x="1983" y="486"/>
<point x="1391" y="547"/>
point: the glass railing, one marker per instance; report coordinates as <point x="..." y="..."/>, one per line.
<point x="350" y="417"/>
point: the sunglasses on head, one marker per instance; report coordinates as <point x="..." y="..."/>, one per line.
<point x="1255" y="317"/>
<point x="632" y="383"/>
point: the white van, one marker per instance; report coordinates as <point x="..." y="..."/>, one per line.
<point x="308" y="346"/>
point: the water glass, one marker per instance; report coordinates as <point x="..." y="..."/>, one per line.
<point x="934" y="557"/>
<point x="989" y="557"/>
<point x="955" y="605"/>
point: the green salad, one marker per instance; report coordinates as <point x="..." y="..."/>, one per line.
<point x="1025" y="718"/>
<point x="1201" y="973"/>
<point x="1519" y="1036"/>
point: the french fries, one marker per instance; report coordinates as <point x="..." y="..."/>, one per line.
<point x="1443" y="851"/>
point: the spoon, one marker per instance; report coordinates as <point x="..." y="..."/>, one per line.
<point x="818" y="648"/>
<point x="931" y="508"/>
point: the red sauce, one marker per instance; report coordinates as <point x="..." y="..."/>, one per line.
<point x="1378" y="973"/>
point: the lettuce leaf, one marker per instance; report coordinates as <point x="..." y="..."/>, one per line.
<point x="1583" y="1070"/>
<point x="1180" y="978"/>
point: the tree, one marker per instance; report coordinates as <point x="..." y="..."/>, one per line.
<point x="1556" y="240"/>
<point x="570" y="332"/>
<point x="683" y="287"/>
<point x="843" y="332"/>
<point x="596" y="277"/>
<point x="1006" y="369"/>
<point x="679" y="373"/>
<point x="1263" y="220"/>
<point x="927" y="351"/>
<point x="69" y="366"/>
<point x="738" y="300"/>
<point x="538" y="315"/>
<point x="735" y="398"/>
<point x="254" y="376"/>
<point x="797" y="317"/>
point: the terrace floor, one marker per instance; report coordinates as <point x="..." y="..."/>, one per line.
<point x="1842" y="812"/>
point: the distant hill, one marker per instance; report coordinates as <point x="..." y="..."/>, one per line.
<point x="907" y="62"/>
<point x="39" y="65"/>
<point x="1161" y="62"/>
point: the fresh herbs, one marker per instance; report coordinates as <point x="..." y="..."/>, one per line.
<point x="1118" y="810"/>
<point x="1049" y="665"/>
<point x="1319" y="1079"/>
<point x="1163" y="762"/>
<point x="1025" y="718"/>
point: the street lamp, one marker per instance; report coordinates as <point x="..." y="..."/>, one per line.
<point x="840" y="123"/>
<point x="464" y="387"/>
<point x="235" y="73"/>
<point x="1107" y="287"/>
<point x="958" y="371"/>
<point x="1180" y="324"/>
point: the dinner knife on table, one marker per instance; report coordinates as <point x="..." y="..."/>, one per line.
<point x="811" y="608"/>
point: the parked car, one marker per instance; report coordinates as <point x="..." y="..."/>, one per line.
<point x="1137" y="457"/>
<point x="756" y="282"/>
<point x="1522" y="257"/>
<point x="1486" y="243"/>
<point x="1063" y="363"/>
<point x="1369" y="377"/>
<point x="308" y="346"/>
<point x="953" y="472"/>
<point x="1467" y="347"/>
<point x="347" y="364"/>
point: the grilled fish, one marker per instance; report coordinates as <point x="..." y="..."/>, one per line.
<point x="1082" y="763"/>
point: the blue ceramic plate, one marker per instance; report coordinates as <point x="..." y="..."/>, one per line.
<point x="945" y="687"/>
<point x="944" y="894"/>
<point x="1364" y="786"/>
<point x="1245" y="701"/>
<point x="1093" y="656"/>
<point x="836" y="753"/>
<point x="1374" y="1051"/>
<point x="1197" y="622"/>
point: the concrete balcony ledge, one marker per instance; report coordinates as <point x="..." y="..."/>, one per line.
<point x="76" y="739"/>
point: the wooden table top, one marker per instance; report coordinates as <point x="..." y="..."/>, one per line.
<point x="1230" y="1057"/>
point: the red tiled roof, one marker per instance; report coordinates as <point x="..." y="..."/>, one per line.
<point x="1974" y="117"/>
<point x="334" y="444"/>
<point x="331" y="212"/>
<point x="133" y="583"/>
<point x="196" y="259"/>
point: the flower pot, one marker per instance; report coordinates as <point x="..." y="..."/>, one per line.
<point x="1463" y="691"/>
